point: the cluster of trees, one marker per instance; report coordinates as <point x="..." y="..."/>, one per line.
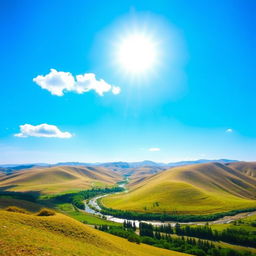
<point x="168" y="217"/>
<point x="164" y="229"/>
<point x="129" y="225"/>
<point x="146" y="229"/>
<point x="149" y="235"/>
<point x="127" y="233"/>
<point x="77" y="198"/>
<point x="231" y="235"/>
<point x="238" y="236"/>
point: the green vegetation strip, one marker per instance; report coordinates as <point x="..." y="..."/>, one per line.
<point x="168" y="217"/>
<point x="82" y="216"/>
<point x="77" y="198"/>
<point x="162" y="237"/>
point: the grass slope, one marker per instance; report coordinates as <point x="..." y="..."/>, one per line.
<point x="6" y="201"/>
<point x="193" y="189"/>
<point x="58" y="179"/>
<point x="23" y="234"/>
<point x="248" y="168"/>
<point x="137" y="175"/>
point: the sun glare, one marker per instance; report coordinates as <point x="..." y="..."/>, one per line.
<point x="136" y="53"/>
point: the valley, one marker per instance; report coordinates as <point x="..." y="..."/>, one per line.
<point x="218" y="195"/>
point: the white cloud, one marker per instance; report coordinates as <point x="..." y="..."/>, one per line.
<point x="229" y="130"/>
<point x="58" y="82"/>
<point x="154" y="149"/>
<point x="87" y="82"/>
<point x="116" y="90"/>
<point x="42" y="130"/>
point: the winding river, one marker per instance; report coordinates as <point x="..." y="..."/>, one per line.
<point x="92" y="207"/>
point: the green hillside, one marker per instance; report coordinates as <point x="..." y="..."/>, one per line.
<point x="193" y="189"/>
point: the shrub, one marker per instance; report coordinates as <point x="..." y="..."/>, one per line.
<point x="16" y="209"/>
<point x="134" y="238"/>
<point x="45" y="212"/>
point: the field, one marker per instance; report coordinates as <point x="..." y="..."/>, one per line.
<point x="59" y="179"/>
<point x="23" y="234"/>
<point x="194" y="189"/>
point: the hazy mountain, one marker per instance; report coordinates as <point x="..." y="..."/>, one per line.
<point x="116" y="166"/>
<point x="201" y="161"/>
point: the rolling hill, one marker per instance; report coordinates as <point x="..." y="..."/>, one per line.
<point x="59" y="235"/>
<point x="140" y="173"/>
<point x="58" y="179"/>
<point x="192" y="189"/>
<point x="248" y="168"/>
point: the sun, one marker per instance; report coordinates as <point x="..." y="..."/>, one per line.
<point x="136" y="53"/>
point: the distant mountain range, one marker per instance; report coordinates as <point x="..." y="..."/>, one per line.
<point x="8" y="168"/>
<point x="148" y="163"/>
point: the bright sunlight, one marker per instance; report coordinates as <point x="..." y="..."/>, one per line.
<point x="137" y="53"/>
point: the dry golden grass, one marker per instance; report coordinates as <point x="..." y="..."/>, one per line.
<point x="248" y="168"/>
<point x="59" y="179"/>
<point x="193" y="189"/>
<point x="141" y="173"/>
<point x="59" y="235"/>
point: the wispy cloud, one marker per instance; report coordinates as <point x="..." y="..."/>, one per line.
<point x="42" y="130"/>
<point x="229" y="130"/>
<point x="154" y="149"/>
<point x="59" y="82"/>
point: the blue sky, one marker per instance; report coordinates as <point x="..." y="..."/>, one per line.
<point x="197" y="101"/>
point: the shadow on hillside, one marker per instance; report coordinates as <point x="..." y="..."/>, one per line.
<point x="32" y="196"/>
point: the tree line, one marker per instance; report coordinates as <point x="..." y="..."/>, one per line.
<point x="155" y="237"/>
<point x="231" y="235"/>
<point x="77" y="198"/>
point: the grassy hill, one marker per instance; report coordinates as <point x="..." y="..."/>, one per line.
<point x="193" y="189"/>
<point x="58" y="179"/>
<point x="23" y="234"/>
<point x="248" y="168"/>
<point x="140" y="173"/>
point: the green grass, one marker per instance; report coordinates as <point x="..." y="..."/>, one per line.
<point x="196" y="189"/>
<point x="175" y="197"/>
<point x="223" y="244"/>
<point x="244" y="223"/>
<point x="84" y="217"/>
